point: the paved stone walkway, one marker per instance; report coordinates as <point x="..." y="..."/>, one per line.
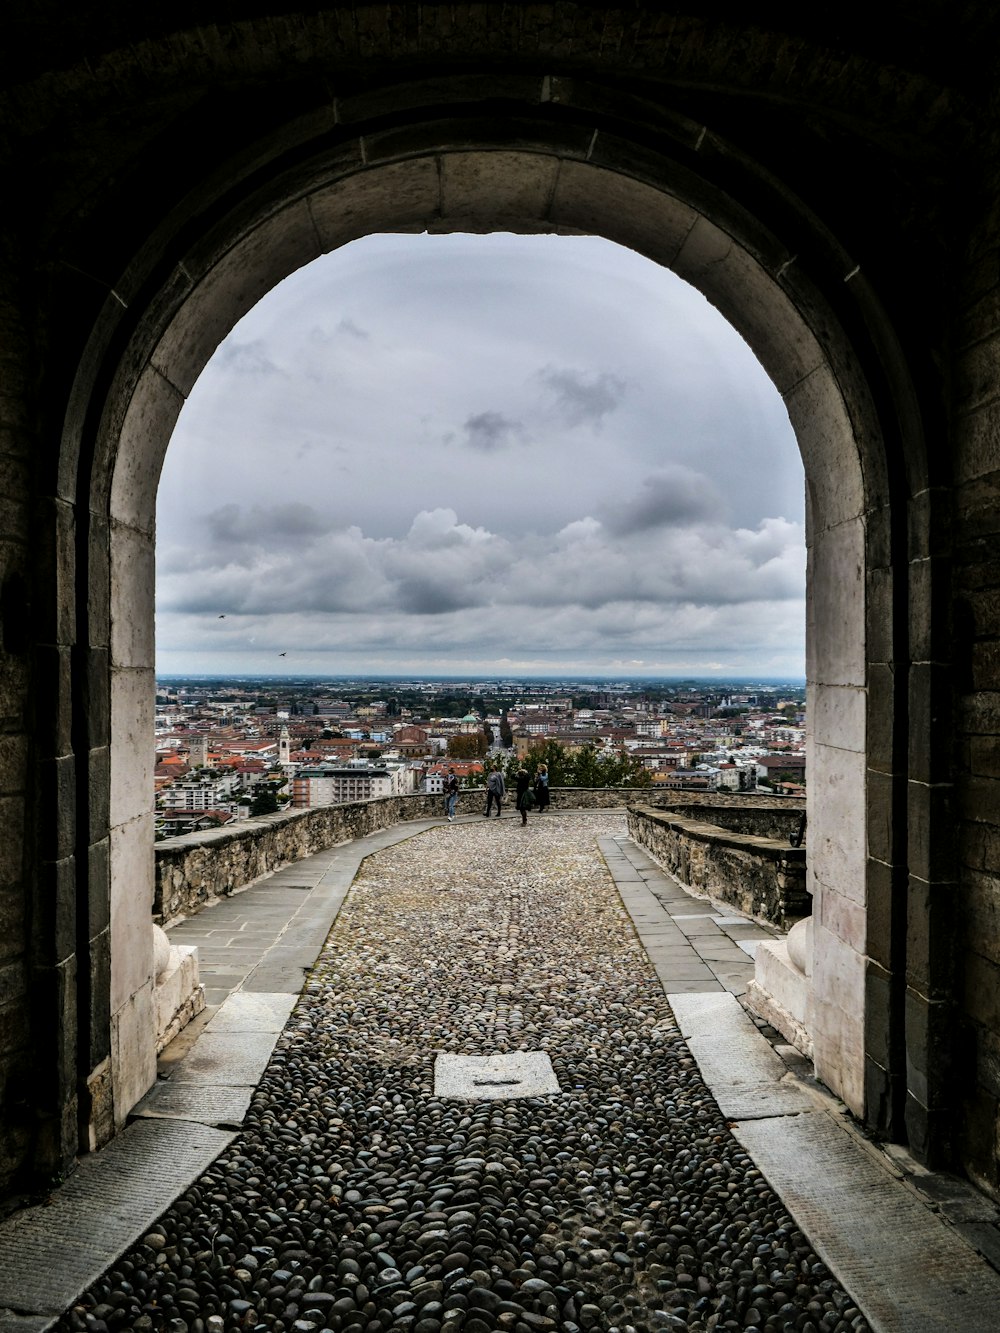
<point x="361" y="1195"/>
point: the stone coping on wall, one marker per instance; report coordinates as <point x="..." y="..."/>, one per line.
<point x="769" y="848"/>
<point x="762" y="877"/>
<point x="199" y="868"/>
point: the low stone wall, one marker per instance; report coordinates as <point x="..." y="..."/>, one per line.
<point x="200" y="867"/>
<point x="763" y="877"/>
<point x="757" y="821"/>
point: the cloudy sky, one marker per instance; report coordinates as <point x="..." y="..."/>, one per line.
<point x="482" y="454"/>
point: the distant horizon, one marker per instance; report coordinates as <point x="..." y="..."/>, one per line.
<point x="552" y="677"/>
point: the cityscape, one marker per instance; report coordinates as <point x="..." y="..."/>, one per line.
<point x="232" y="749"/>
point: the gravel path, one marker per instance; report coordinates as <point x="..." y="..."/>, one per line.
<point x="356" y="1200"/>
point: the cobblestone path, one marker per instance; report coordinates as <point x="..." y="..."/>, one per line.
<point x="356" y="1199"/>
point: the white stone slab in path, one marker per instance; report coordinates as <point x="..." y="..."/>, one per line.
<point x="495" y="1077"/>
<point x="908" y="1270"/>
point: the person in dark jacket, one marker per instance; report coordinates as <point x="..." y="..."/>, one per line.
<point x="450" y="794"/>
<point x="524" y="796"/>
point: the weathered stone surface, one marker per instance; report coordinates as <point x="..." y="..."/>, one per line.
<point x="763" y="876"/>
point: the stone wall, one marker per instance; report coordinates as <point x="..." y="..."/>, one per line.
<point x="760" y="876"/>
<point x="194" y="870"/>
<point x="759" y="821"/>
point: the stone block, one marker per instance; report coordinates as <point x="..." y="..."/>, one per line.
<point x="99" y="882"/>
<point x="99" y="793"/>
<point x="976" y="442"/>
<point x="492" y="187"/>
<point x="607" y="203"/>
<point x="880" y="1034"/>
<point x="744" y="288"/>
<point x="781" y="994"/>
<point x="132" y="873"/>
<point x="846" y="919"/>
<point x="839" y="717"/>
<point x="930" y="695"/>
<point x="54" y="553"/>
<point x="978" y="918"/>
<point x="133" y="1044"/>
<point x="975" y="375"/>
<point x="838" y="1016"/>
<point x="177" y="994"/>
<point x="932" y="830"/>
<point x="13" y="764"/>
<point x="881" y="708"/>
<point x="99" y="1026"/>
<point x="400" y="195"/>
<point x="835" y="647"/>
<point x="54" y="915"/>
<point x="834" y="482"/>
<point x="53" y="680"/>
<point x="133" y="595"/>
<point x="99" y="581"/>
<point x="886" y="897"/>
<point x="57" y="782"/>
<point x="146" y="429"/>
<point x="880" y="592"/>
<point x="12" y="843"/>
<point x="981" y="990"/>
<point x="933" y="913"/>
<point x="837" y="826"/>
<point x="133" y="695"/>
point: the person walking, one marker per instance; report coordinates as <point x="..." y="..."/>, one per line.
<point x="525" y="797"/>
<point x="542" y="787"/>
<point x="450" y="795"/>
<point x="495" y="789"/>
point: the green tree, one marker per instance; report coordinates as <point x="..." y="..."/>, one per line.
<point x="469" y="745"/>
<point x="265" y="800"/>
<point x="506" y="734"/>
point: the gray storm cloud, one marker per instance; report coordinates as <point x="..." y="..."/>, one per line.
<point x="673" y="495"/>
<point x="492" y="431"/>
<point x="582" y="399"/>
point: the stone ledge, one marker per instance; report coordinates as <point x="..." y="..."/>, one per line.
<point x="764" y="877"/>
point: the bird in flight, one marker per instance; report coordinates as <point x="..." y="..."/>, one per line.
<point x="223" y="616"/>
<point x="282" y="654"/>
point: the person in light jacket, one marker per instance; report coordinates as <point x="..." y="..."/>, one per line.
<point x="541" y="787"/>
<point x="495" y="789"/>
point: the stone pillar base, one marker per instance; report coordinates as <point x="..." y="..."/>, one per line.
<point x="178" y="996"/>
<point x="781" y="994"/>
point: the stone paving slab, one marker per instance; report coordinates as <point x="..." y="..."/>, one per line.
<point x="244" y="1012"/>
<point x="222" y="1107"/>
<point x="747" y="1078"/>
<point x="50" y="1253"/>
<point x="908" y="1270"/>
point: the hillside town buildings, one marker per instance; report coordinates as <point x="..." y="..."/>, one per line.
<point x="219" y="746"/>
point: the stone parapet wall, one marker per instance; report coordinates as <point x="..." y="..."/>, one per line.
<point x="759" y="821"/>
<point x="200" y="867"/>
<point x="763" y="877"/>
<point x="194" y="870"/>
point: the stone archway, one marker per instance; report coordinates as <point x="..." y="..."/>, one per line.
<point x="441" y="185"/>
